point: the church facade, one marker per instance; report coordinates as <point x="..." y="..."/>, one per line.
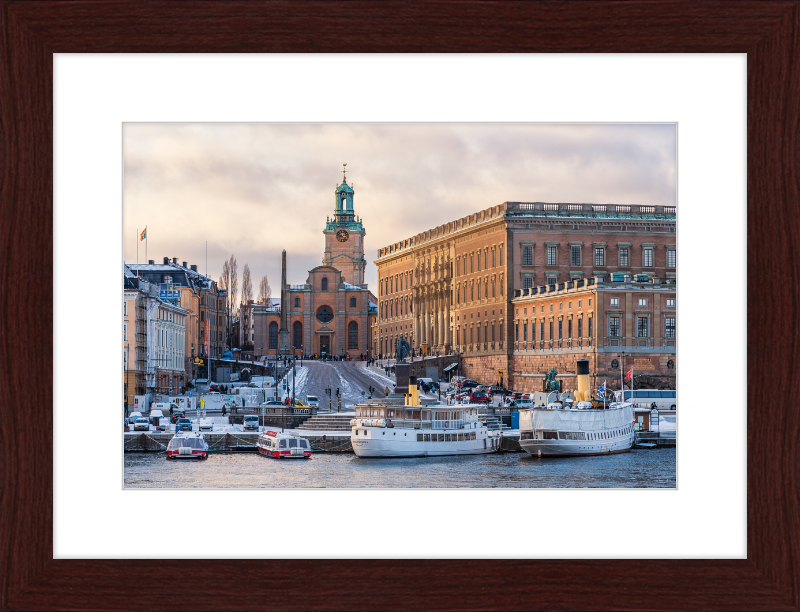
<point x="332" y="312"/>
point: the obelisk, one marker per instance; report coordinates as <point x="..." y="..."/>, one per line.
<point x="283" y="334"/>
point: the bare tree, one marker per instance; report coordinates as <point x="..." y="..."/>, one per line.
<point x="264" y="291"/>
<point x="224" y="283"/>
<point x="247" y="297"/>
<point x="233" y="293"/>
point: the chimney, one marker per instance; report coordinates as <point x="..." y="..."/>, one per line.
<point x="175" y="260"/>
<point x="194" y="267"/>
<point x="184" y="264"/>
<point x="150" y="261"/>
<point x="166" y="260"/>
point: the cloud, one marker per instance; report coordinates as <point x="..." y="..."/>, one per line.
<point x="254" y="190"/>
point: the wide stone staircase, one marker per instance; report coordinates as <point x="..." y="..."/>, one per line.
<point x="327" y="422"/>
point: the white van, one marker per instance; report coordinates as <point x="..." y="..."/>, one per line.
<point x="164" y="407"/>
<point x="251" y="422"/>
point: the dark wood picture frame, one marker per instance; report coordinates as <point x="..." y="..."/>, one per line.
<point x="768" y="31"/>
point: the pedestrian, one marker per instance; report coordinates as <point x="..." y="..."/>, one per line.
<point x="224" y="412"/>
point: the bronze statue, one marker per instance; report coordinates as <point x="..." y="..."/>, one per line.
<point x="550" y="382"/>
<point x="403" y="350"/>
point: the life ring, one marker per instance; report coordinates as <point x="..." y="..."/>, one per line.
<point x="389" y="423"/>
<point x="446" y="424"/>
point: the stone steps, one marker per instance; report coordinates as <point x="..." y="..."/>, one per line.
<point x="328" y="422"/>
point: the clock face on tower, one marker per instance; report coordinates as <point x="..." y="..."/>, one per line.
<point x="342" y="235"/>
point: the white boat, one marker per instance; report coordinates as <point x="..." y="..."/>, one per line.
<point x="558" y="431"/>
<point x="187" y="445"/>
<point x="279" y="445"/>
<point x="384" y="430"/>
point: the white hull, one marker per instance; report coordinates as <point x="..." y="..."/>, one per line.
<point x="573" y="448"/>
<point x="402" y="442"/>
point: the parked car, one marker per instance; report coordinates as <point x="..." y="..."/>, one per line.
<point x="184" y="425"/>
<point x="312" y="400"/>
<point x="141" y="424"/>
<point x="272" y="403"/>
<point x="469" y="384"/>
<point x="134" y="416"/>
<point x="206" y="425"/>
<point x="214" y="387"/>
<point x="178" y="414"/>
<point x="479" y="397"/>
<point x="251" y="422"/>
<point x="522" y="403"/>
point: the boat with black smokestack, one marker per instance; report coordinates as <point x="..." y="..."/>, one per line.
<point x="579" y="428"/>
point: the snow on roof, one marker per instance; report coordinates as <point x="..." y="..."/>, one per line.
<point x="351" y="287"/>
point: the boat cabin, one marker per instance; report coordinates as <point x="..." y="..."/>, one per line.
<point x="419" y="417"/>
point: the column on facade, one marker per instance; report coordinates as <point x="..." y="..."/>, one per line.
<point x="438" y="316"/>
<point x="447" y="325"/>
<point x="428" y="317"/>
<point x="415" y="312"/>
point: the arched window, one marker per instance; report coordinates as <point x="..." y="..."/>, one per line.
<point x="352" y="302"/>
<point x="297" y="330"/>
<point x="273" y="335"/>
<point x="324" y="283"/>
<point x="352" y="335"/>
<point x="297" y="302"/>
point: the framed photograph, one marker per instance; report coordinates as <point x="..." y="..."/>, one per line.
<point x="36" y="577"/>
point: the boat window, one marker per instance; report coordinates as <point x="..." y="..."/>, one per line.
<point x="304" y="443"/>
<point x="427" y="437"/>
<point x="419" y="438"/>
<point x="441" y="437"/>
<point x="460" y="436"/>
<point x="550" y="435"/>
<point x="447" y="437"/>
<point x="283" y="443"/>
<point x="472" y="435"/>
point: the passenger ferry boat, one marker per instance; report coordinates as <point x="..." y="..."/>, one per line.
<point x="187" y="445"/>
<point x="556" y="430"/>
<point x="413" y="430"/>
<point x="283" y="446"/>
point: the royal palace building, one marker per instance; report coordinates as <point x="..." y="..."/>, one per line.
<point x="456" y="288"/>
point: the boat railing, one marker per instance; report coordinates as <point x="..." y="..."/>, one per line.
<point x="417" y="424"/>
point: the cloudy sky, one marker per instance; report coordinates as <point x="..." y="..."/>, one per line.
<point x="253" y="190"/>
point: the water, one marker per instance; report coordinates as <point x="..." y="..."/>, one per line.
<point x="638" y="468"/>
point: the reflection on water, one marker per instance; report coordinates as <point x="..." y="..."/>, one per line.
<point x="638" y="468"/>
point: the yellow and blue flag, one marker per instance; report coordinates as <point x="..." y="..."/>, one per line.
<point x="143" y="234"/>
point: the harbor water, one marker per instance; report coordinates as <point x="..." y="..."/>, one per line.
<point x="651" y="468"/>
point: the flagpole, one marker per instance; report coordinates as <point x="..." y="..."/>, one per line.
<point x="137" y="251"/>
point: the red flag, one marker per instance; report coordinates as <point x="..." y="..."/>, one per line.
<point x="629" y="374"/>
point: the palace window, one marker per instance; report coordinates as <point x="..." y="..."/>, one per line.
<point x="297" y="302"/>
<point x="671" y="258"/>
<point x="541" y="331"/>
<point x="647" y="258"/>
<point x="479" y="261"/>
<point x="552" y="256"/>
<point x="471" y="263"/>
<point x="527" y="282"/>
<point x="615" y="301"/>
<point x="552" y="280"/>
<point x="486" y="289"/>
<point x="324" y="283"/>
<point x="493" y="333"/>
<point x="623" y="257"/>
<point x="669" y="327"/>
<point x="352" y="335"/>
<point x="494" y="288"/>
<point x="273" y="335"/>
<point x="575" y="259"/>
<point x="525" y="331"/>
<point x="642" y="327"/>
<point x="590" y="328"/>
<point x="613" y="327"/>
<point x="599" y="256"/>
<point x="527" y="255"/>
<point x="501" y="254"/>
<point x="297" y="330"/>
<point x="494" y="261"/>
<point x="670" y="302"/>
<point x="642" y="301"/>
<point x="580" y="327"/>
<point x="560" y="329"/>
<point x="569" y="329"/>
<point x="352" y="302"/>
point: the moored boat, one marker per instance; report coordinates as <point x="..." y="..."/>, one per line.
<point x="279" y="445"/>
<point x="559" y="430"/>
<point x="187" y="445"/>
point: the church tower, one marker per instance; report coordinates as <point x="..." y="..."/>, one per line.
<point x="344" y="237"/>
